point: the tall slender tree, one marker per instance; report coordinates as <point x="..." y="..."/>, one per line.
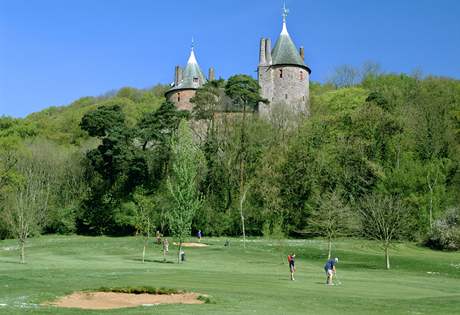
<point x="144" y="217"/>
<point x="245" y="93"/>
<point x="187" y="161"/>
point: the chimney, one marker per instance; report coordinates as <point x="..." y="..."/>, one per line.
<point x="177" y="75"/>
<point x="262" y="60"/>
<point x="180" y="75"/>
<point x="268" y="50"/>
<point x="302" y="53"/>
<point x="211" y="74"/>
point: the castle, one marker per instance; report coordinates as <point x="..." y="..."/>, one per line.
<point x="282" y="75"/>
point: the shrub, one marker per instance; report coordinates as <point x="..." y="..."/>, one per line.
<point x="445" y="234"/>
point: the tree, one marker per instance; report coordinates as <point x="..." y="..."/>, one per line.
<point x="100" y="121"/>
<point x="432" y="181"/>
<point x="311" y="166"/>
<point x="245" y="93"/>
<point x="370" y="69"/>
<point x="68" y="189"/>
<point x="207" y="101"/>
<point x="283" y="119"/>
<point x="386" y="219"/>
<point x="154" y="131"/>
<point x="344" y="76"/>
<point x="432" y="111"/>
<point x="8" y="160"/>
<point x="113" y="170"/>
<point x="187" y="161"/>
<point x="144" y="217"/>
<point x="157" y="127"/>
<point x="332" y="218"/>
<point x="27" y="202"/>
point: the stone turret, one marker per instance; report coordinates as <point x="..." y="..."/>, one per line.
<point x="283" y="75"/>
<point x="186" y="82"/>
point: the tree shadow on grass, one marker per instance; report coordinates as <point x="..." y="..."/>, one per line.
<point x="16" y="262"/>
<point x="217" y="248"/>
<point x="161" y="261"/>
<point x="361" y="265"/>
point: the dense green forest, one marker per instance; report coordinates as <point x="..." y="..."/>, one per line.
<point x="385" y="150"/>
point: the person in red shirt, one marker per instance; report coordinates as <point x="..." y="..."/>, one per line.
<point x="291" y="261"/>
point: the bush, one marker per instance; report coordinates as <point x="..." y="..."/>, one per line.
<point x="61" y="220"/>
<point x="445" y="234"/>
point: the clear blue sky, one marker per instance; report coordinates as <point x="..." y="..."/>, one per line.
<point x="53" y="51"/>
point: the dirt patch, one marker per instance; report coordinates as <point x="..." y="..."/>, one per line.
<point x="192" y="244"/>
<point x="110" y="300"/>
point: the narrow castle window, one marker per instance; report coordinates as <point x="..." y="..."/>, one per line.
<point x="301" y="75"/>
<point x="178" y="97"/>
<point x="195" y="80"/>
<point x="281" y="73"/>
<point x="285" y="96"/>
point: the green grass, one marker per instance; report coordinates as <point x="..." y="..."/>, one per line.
<point x="246" y="281"/>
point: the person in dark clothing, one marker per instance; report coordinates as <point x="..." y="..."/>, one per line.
<point x="291" y="261"/>
<point x="329" y="267"/>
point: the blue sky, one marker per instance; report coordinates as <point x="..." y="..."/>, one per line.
<point x="53" y="52"/>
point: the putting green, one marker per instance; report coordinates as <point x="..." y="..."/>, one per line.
<point x="254" y="280"/>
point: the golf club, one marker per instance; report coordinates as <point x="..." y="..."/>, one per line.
<point x="337" y="280"/>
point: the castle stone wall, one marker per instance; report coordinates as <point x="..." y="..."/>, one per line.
<point x="265" y="78"/>
<point x="292" y="88"/>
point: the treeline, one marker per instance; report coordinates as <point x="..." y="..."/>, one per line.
<point x="389" y="142"/>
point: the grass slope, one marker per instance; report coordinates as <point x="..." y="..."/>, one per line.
<point x="251" y="281"/>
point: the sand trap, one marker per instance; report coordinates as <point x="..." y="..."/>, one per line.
<point x="110" y="300"/>
<point x="192" y="244"/>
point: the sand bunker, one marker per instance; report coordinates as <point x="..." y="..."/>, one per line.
<point x="192" y="244"/>
<point x="110" y="300"/>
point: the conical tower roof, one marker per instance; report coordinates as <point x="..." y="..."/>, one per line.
<point x="192" y="77"/>
<point x="285" y="51"/>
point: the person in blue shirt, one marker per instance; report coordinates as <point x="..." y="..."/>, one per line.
<point x="329" y="267"/>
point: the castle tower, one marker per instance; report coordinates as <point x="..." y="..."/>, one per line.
<point x="186" y="82"/>
<point x="283" y="76"/>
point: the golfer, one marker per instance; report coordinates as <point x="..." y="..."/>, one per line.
<point x="329" y="267"/>
<point x="291" y="261"/>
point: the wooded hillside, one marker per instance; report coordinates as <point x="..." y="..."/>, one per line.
<point x="389" y="136"/>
